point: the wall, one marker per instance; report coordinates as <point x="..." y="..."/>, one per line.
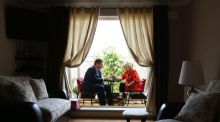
<point x="7" y="48"/>
<point x="205" y="36"/>
<point x="194" y="35"/>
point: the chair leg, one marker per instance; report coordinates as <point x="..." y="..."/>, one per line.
<point x="128" y="102"/>
<point x="145" y="102"/>
<point x="128" y="98"/>
<point x="143" y="120"/>
<point x="91" y="102"/>
<point x="79" y="95"/>
<point x="128" y="119"/>
<point x="125" y="99"/>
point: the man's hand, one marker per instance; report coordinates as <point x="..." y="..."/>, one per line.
<point x="106" y="78"/>
<point x="118" y="79"/>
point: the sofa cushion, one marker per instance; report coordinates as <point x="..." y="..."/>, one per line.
<point x="39" y="88"/>
<point x="23" y="92"/>
<point x="13" y="90"/>
<point x="213" y="87"/>
<point x="6" y="93"/>
<point x="53" y="108"/>
<point x="168" y="120"/>
<point x="199" y="108"/>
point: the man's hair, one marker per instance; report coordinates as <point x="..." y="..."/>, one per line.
<point x="98" y="61"/>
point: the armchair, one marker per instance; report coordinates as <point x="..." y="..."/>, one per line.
<point x="169" y="110"/>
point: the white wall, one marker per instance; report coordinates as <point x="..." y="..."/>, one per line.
<point x="7" y="47"/>
<point x="205" y="36"/>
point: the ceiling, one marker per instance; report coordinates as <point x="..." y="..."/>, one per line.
<point x="91" y="3"/>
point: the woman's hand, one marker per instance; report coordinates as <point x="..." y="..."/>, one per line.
<point x="131" y="84"/>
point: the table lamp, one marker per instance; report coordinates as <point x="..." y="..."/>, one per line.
<point x="191" y="75"/>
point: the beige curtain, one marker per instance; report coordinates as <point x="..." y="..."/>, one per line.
<point x="82" y="27"/>
<point x="137" y="25"/>
<point x="83" y="22"/>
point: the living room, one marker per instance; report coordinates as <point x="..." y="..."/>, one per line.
<point x="193" y="35"/>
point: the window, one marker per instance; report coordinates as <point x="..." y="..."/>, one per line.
<point x="109" y="35"/>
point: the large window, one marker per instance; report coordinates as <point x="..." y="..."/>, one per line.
<point x="108" y="36"/>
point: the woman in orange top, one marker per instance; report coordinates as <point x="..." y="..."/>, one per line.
<point x="132" y="80"/>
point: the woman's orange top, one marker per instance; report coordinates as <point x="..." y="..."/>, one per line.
<point x="130" y="76"/>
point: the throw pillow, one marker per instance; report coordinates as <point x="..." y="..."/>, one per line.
<point x="199" y="108"/>
<point x="39" y="88"/>
<point x="23" y="92"/>
<point x="213" y="87"/>
<point x="16" y="78"/>
<point x="6" y="93"/>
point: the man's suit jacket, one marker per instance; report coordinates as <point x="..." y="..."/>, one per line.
<point x="92" y="76"/>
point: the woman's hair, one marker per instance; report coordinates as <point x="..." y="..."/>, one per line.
<point x="128" y="66"/>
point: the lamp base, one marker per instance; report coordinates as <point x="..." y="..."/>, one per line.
<point x="191" y="90"/>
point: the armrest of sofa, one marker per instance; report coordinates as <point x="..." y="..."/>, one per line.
<point x="58" y="94"/>
<point x="21" y="112"/>
<point x="169" y="110"/>
<point x="62" y="94"/>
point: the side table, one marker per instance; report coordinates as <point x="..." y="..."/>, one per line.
<point x="75" y="104"/>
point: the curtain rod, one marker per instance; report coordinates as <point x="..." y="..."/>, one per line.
<point x="109" y="5"/>
<point x="99" y="3"/>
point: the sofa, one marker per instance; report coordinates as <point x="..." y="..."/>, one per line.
<point x="26" y="99"/>
<point x="199" y="107"/>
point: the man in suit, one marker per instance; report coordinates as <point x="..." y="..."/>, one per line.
<point x="93" y="82"/>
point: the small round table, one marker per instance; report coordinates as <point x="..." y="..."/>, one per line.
<point x="111" y="83"/>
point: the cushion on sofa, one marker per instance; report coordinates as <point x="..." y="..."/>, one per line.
<point x="199" y="108"/>
<point x="6" y="93"/>
<point x="53" y="108"/>
<point x="39" y="88"/>
<point x="213" y="87"/>
<point x="23" y="92"/>
<point x="13" y="90"/>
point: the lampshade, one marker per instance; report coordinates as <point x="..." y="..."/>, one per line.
<point x="191" y="73"/>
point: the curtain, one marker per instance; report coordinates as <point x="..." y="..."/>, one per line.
<point x="137" y="25"/>
<point x="82" y="26"/>
<point x="161" y="46"/>
<point x="57" y="34"/>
